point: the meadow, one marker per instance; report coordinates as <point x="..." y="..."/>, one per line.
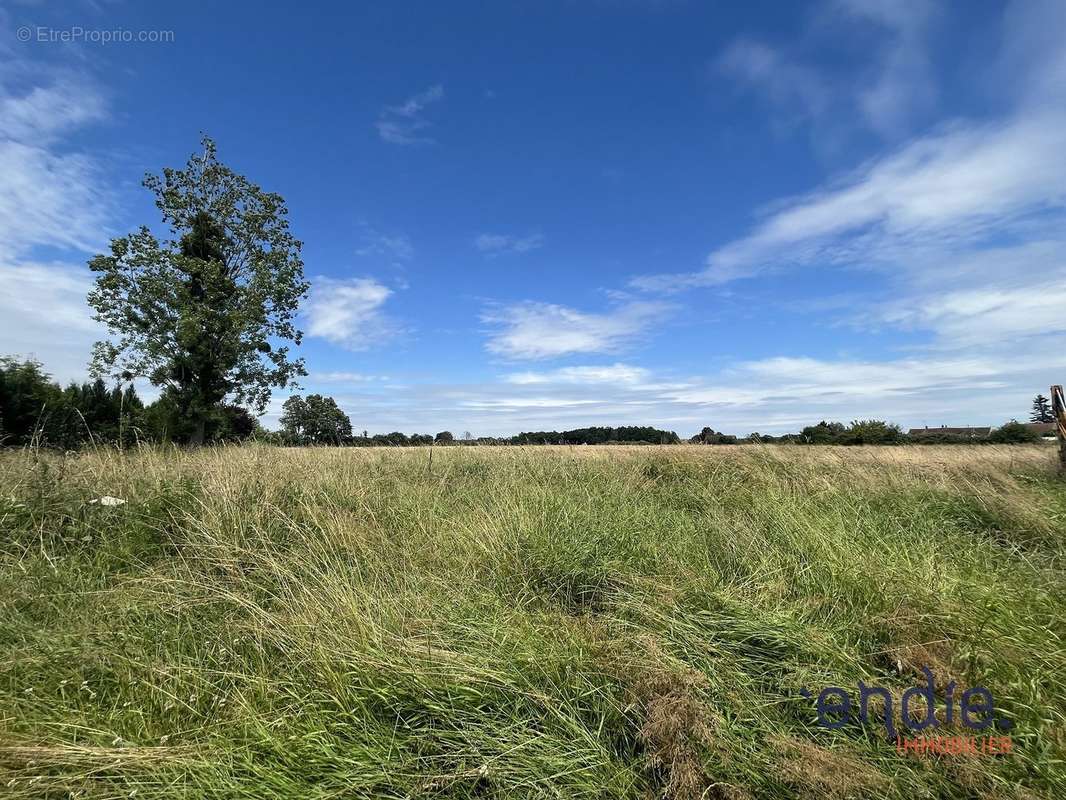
<point x="549" y="622"/>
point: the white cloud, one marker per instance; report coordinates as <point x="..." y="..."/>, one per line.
<point x="938" y="200"/>
<point x="44" y="112"/>
<point x="542" y="330"/>
<point x="43" y="315"/>
<point x="343" y="377"/>
<point x="526" y="403"/>
<point x="969" y="317"/>
<point x="773" y="395"/>
<point x="349" y="312"/>
<point x="613" y="373"/>
<point x="493" y="244"/>
<point x="404" y="124"/>
<point x="48" y="198"/>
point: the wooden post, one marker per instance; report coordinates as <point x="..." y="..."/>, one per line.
<point x="1058" y="408"/>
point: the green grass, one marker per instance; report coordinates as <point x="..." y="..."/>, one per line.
<point x="547" y="622"/>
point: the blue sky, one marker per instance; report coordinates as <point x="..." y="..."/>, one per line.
<point x="532" y="215"/>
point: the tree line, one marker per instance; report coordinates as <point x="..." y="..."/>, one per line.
<point x="35" y="410"/>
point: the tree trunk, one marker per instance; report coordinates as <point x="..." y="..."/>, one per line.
<point x="197" y="437"/>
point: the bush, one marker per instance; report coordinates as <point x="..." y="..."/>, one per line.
<point x="1013" y="432"/>
<point x="823" y="433"/>
<point x="872" y="431"/>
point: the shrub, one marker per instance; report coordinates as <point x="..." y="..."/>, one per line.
<point x="1013" y="432"/>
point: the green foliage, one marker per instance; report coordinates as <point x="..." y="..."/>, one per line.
<point x="823" y="433"/>
<point x="872" y="431"/>
<point x="314" y="420"/>
<point x="709" y="436"/>
<point x="444" y="437"/>
<point x="201" y="314"/>
<point x="34" y="410"/>
<point x="27" y="398"/>
<point x="1013" y="432"/>
<point x="165" y="421"/>
<point x="595" y="435"/>
<point x="298" y="623"/>
<point x="1041" y="410"/>
<point x="868" y="431"/>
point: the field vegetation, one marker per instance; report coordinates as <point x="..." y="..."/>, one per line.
<point x="615" y="622"/>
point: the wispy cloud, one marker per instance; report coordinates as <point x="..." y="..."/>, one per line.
<point x="350" y="312"/>
<point x="902" y="81"/>
<point x="50" y="197"/>
<point x="771" y="395"/>
<point x="889" y="84"/>
<point x="394" y="246"/>
<point x="543" y="330"/>
<point x="935" y="202"/>
<point x="954" y="188"/>
<point x="47" y="317"/>
<point x="610" y="374"/>
<point x="343" y="377"/>
<point x="47" y="196"/>
<point x="494" y="244"/>
<point x="789" y="85"/>
<point x="46" y="111"/>
<point x="405" y="123"/>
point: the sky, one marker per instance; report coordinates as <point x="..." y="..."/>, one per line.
<point x="547" y="215"/>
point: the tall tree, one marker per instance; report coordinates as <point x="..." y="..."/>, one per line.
<point x="316" y="420"/>
<point x="1041" y="410"/>
<point x="203" y="313"/>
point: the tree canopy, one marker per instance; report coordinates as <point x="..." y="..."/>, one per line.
<point x="1041" y="410"/>
<point x="203" y="313"/>
<point x="315" y="420"/>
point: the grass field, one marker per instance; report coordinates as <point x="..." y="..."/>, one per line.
<point x="553" y="622"/>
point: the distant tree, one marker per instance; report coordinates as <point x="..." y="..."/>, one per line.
<point x="28" y="399"/>
<point x="316" y="420"/>
<point x="444" y="437"/>
<point x="709" y="436"/>
<point x="394" y="439"/>
<point x="871" y="431"/>
<point x="34" y="409"/>
<point x="1041" y="410"/>
<point x="197" y="314"/>
<point x="99" y="414"/>
<point x="1013" y="432"/>
<point x="596" y="435"/>
<point x="421" y="439"/>
<point x="823" y="433"/>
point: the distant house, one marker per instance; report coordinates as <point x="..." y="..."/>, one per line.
<point x="944" y="430"/>
<point x="1045" y="429"/>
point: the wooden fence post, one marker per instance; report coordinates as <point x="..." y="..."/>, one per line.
<point x="1058" y="408"/>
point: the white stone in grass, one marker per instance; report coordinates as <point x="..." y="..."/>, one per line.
<point x="107" y="500"/>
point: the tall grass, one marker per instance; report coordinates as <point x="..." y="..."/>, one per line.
<point x="549" y="622"/>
